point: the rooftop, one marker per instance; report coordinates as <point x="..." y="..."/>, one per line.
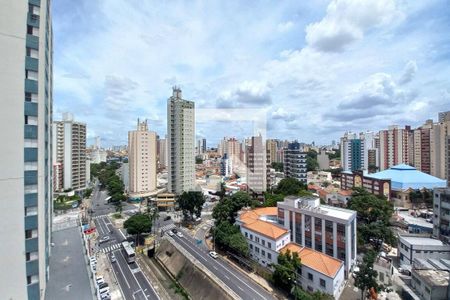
<point x="434" y="278"/>
<point x="421" y="240"/>
<point x="257" y="221"/>
<point x="315" y="260"/>
<point x="404" y="177"/>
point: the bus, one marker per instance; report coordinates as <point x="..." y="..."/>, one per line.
<point x="128" y="252"/>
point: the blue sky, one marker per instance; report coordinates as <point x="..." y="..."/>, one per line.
<point x="317" y="68"/>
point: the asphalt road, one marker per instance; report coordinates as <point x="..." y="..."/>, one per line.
<point x="235" y="280"/>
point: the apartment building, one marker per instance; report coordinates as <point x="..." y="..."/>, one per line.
<point x="26" y="87"/>
<point x="359" y="151"/>
<point x="421" y="147"/>
<point x="440" y="148"/>
<point x="327" y="229"/>
<point x="412" y="246"/>
<point x="256" y="165"/>
<point x="69" y="154"/>
<point x="162" y="153"/>
<point x="295" y="162"/>
<point x="181" y="143"/>
<point x="271" y="147"/>
<point x="395" y="146"/>
<point x="142" y="160"/>
<point x="441" y="209"/>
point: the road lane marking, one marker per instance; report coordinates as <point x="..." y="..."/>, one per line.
<point x="227" y="277"/>
<point x="187" y="245"/>
<point x="240" y="288"/>
<point x="215" y="268"/>
<point x="123" y="275"/>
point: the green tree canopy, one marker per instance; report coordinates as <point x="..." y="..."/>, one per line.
<point x="365" y="278"/>
<point x="278" y="166"/>
<point x="229" y="236"/>
<point x="289" y="186"/>
<point x="369" y="207"/>
<point x="138" y="224"/>
<point x="227" y="208"/>
<point x="191" y="203"/>
<point x="285" y="273"/>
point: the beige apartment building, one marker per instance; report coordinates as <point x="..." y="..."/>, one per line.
<point x="142" y="160"/>
<point x="69" y="154"/>
<point x="256" y="165"/>
<point x="440" y="148"/>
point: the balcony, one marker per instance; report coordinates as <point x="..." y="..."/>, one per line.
<point x="32" y="41"/>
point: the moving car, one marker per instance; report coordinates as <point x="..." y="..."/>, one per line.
<point x="213" y="254"/>
<point x="113" y="258"/>
<point x="170" y="233"/>
<point x="104" y="239"/>
<point x="179" y="234"/>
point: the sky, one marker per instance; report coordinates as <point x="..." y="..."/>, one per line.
<point x="315" y="69"/>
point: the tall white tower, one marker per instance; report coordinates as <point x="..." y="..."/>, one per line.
<point x="181" y="143"/>
<point x="26" y="66"/>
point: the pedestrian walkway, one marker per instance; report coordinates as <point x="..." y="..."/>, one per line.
<point x="167" y="227"/>
<point x="110" y="248"/>
<point x="99" y="217"/>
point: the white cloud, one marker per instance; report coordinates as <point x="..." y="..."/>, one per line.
<point x="346" y="21"/>
<point x="285" y="26"/>
<point x="408" y="73"/>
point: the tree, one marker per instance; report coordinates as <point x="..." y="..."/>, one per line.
<point x="138" y="224"/>
<point x="228" y="207"/>
<point x="285" y="273"/>
<point x="289" y="186"/>
<point x="270" y="200"/>
<point x="87" y="193"/>
<point x="198" y="160"/>
<point x="278" y="166"/>
<point x="335" y="155"/>
<point x="311" y="160"/>
<point x="191" y="203"/>
<point x="369" y="207"/>
<point x="228" y="236"/>
<point x="365" y="278"/>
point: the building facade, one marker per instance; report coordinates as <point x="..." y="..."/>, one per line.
<point x="421" y="147"/>
<point x="359" y="151"/>
<point x="440" y="148"/>
<point x="142" y="160"/>
<point x="441" y="209"/>
<point x="395" y="146"/>
<point x="412" y="246"/>
<point x="295" y="162"/>
<point x="162" y="153"/>
<point x="181" y="143"/>
<point x="26" y="172"/>
<point x="376" y="186"/>
<point x="256" y="165"/>
<point x="69" y="154"/>
<point x="327" y="229"/>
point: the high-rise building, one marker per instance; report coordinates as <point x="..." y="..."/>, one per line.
<point x="441" y="220"/>
<point x="440" y="149"/>
<point x="26" y="66"/>
<point x="162" y="153"/>
<point x="420" y="151"/>
<point x="256" y="165"/>
<point x="323" y="160"/>
<point x="199" y="147"/>
<point x="271" y="146"/>
<point x="226" y="168"/>
<point x="295" y="162"/>
<point x="203" y="145"/>
<point x="181" y="143"/>
<point x="444" y="116"/>
<point x="69" y="154"/>
<point x="395" y="146"/>
<point x="142" y="159"/>
<point x="355" y="150"/>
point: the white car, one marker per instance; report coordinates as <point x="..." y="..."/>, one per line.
<point x="213" y="254"/>
<point x="170" y="233"/>
<point x="179" y="234"/>
<point x="104" y="239"/>
<point x="99" y="280"/>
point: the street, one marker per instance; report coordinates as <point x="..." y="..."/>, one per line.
<point x="234" y="279"/>
<point x="132" y="282"/>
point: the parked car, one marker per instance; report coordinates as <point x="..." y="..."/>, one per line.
<point x="167" y="218"/>
<point x="179" y="234"/>
<point x="174" y="230"/>
<point x="213" y="254"/>
<point x="113" y="258"/>
<point x="104" y="239"/>
<point x="99" y="280"/>
<point x="170" y="233"/>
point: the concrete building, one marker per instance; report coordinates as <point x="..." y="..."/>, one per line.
<point x="440" y="148"/>
<point x="376" y="186"/>
<point x="97" y="156"/>
<point x="412" y="246"/>
<point x="125" y="175"/>
<point x="226" y="166"/>
<point x="384" y="268"/>
<point x="421" y="147"/>
<point x="69" y="154"/>
<point x="181" y="143"/>
<point x="271" y="147"/>
<point x="441" y="220"/>
<point x="430" y="278"/>
<point x="358" y="151"/>
<point x="165" y="201"/>
<point x="26" y="89"/>
<point x="395" y="146"/>
<point x="323" y="160"/>
<point x="327" y="229"/>
<point x="267" y="239"/>
<point x="162" y="153"/>
<point x="142" y="160"/>
<point x="203" y="145"/>
<point x="443" y="116"/>
<point x="256" y="165"/>
<point x="295" y="162"/>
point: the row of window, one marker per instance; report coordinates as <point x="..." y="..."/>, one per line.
<point x="258" y="240"/>
<point x="263" y="252"/>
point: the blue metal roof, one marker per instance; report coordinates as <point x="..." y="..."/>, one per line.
<point x="404" y="177"/>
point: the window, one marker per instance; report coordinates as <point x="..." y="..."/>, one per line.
<point x="263" y="242"/>
<point x="251" y="237"/>
<point x="418" y="251"/>
<point x="31" y="256"/>
<point x="269" y="256"/>
<point x="32" y="30"/>
<point x="32" y="279"/>
<point x="322" y="283"/>
<point x="269" y="245"/>
<point x="32" y="53"/>
<point x="33" y="75"/>
<point x="32" y="233"/>
<point x="381" y="276"/>
<point x="246" y="235"/>
<point x="310" y="276"/>
<point x="33" y="9"/>
<point x="257" y="249"/>
<point x="263" y="252"/>
<point x="251" y="246"/>
<point x="31" y="211"/>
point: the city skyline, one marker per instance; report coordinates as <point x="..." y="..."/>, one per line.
<point x="299" y="63"/>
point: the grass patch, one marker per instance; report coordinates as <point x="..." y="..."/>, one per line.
<point x="117" y="216"/>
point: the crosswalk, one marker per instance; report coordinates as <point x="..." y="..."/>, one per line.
<point x="167" y="227"/>
<point x="110" y="248"/>
<point x="98" y="217"/>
